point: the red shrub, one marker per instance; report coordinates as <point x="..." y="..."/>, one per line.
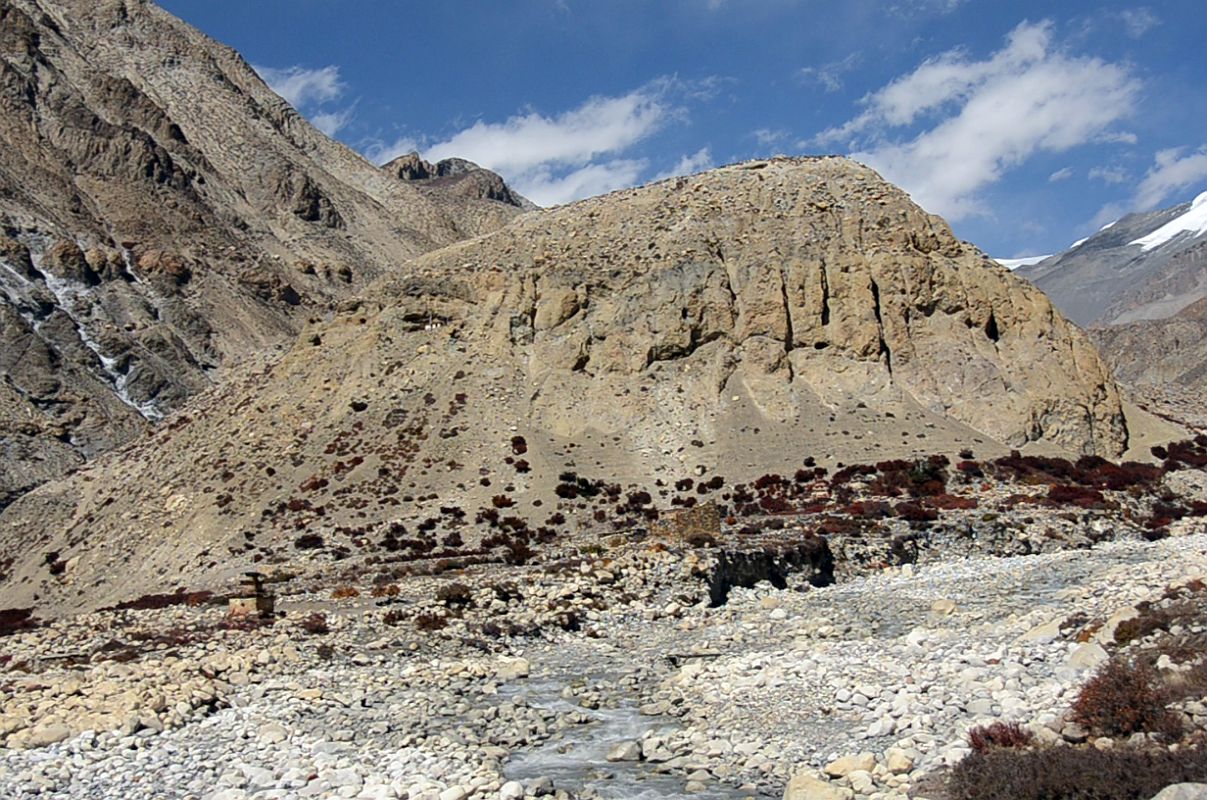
<point x="914" y="512"/>
<point x="999" y="734"/>
<point x="950" y="502"/>
<point x="1123" y="698"/>
<point x="1065" y="494"/>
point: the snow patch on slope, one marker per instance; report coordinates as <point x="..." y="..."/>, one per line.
<point x="1015" y="263"/>
<point x="1193" y="222"/>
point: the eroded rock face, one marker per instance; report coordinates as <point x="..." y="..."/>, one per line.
<point x="718" y="327"/>
<point x="797" y="278"/>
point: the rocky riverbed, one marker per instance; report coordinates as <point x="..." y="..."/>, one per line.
<point x="619" y="681"/>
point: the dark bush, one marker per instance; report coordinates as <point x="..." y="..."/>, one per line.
<point x="155" y="601"/>
<point x="315" y="624"/>
<point x="970" y="468"/>
<point x="455" y="595"/>
<point x="429" y="621"/>
<point x="308" y="541"/>
<point x="870" y="509"/>
<point x="16" y="619"/>
<point x="1073" y="773"/>
<point x="1125" y="697"/>
<point x="999" y="734"/>
<point x="914" y="512"/>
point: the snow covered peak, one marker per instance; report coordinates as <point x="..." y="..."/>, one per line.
<point x="1193" y="222"/>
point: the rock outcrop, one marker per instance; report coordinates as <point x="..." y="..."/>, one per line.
<point x="711" y="329"/>
<point x="162" y="213"/>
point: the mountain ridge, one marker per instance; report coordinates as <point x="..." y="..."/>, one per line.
<point x="163" y="213"/>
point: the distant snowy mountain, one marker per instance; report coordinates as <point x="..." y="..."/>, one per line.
<point x="1193" y="222"/>
<point x="1144" y="266"/>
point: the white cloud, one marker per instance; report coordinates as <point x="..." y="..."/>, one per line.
<point x="1059" y="175"/>
<point x="331" y="122"/>
<point x="1171" y="172"/>
<point x="1138" y="21"/>
<point x="310" y="91"/>
<point x="1111" y="174"/>
<point x="830" y="76"/>
<point x="302" y="87"/>
<point x="556" y="158"/>
<point x="985" y="117"/>
<point x="545" y="188"/>
<point x="688" y="165"/>
<point x="768" y="137"/>
<point x="525" y="142"/>
<point x="1106" y="215"/>
<point x="913" y="8"/>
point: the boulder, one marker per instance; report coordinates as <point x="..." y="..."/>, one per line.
<point x="625" y="751"/>
<point x="1087" y="656"/>
<point x="807" y="786"/>
<point x="1183" y="791"/>
<point x="841" y="767"/>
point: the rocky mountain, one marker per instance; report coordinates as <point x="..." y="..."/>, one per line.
<point x="668" y="342"/>
<point x="1140" y="285"/>
<point x="1168" y="352"/>
<point x="458" y="178"/>
<point x="1143" y="266"/>
<point x="162" y="213"/>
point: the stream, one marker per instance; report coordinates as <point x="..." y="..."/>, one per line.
<point x="576" y="758"/>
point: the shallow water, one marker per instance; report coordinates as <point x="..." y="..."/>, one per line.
<point x="576" y="758"/>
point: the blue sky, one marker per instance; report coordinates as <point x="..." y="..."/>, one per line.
<point x="1026" y="124"/>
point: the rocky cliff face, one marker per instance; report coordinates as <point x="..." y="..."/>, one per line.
<point x="707" y="329"/>
<point x="162" y="212"/>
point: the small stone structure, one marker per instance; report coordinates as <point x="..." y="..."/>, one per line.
<point x="253" y="599"/>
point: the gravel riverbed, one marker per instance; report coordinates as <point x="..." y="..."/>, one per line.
<point x="868" y="685"/>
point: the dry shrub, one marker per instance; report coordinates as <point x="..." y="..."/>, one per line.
<point x="1150" y="620"/>
<point x="393" y="617"/>
<point x="16" y="619"/>
<point x="156" y="601"/>
<point x="455" y="595"/>
<point x="1009" y="735"/>
<point x="914" y="512"/>
<point x="1079" y="496"/>
<point x="308" y="541"/>
<point x="1125" y="697"/>
<point x="344" y="592"/>
<point x="429" y="621"/>
<point x="315" y="624"/>
<point x="1073" y="773"/>
<point x="387" y="590"/>
<point x="951" y="502"/>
